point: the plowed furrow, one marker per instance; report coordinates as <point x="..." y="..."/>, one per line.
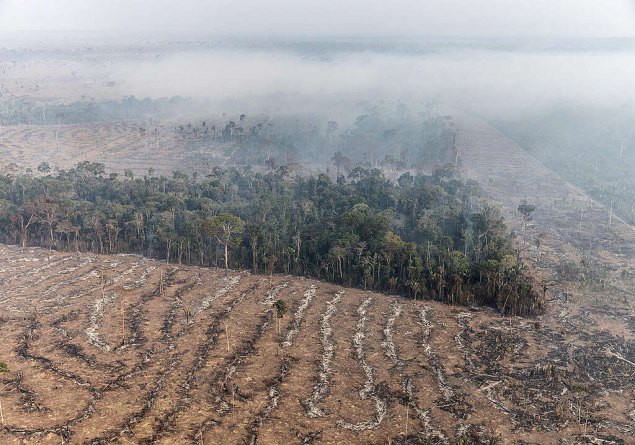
<point x="369" y="388"/>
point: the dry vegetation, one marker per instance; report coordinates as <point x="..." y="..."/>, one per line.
<point x="52" y="77"/>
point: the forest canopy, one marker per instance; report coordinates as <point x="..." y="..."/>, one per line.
<point x="424" y="236"/>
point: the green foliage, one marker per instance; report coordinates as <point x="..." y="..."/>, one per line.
<point x="281" y="308"/>
<point x="423" y="236"/>
<point x="187" y="312"/>
<point x="526" y="209"/>
<point x="225" y="227"/>
<point x="44" y="167"/>
<point x="4" y="368"/>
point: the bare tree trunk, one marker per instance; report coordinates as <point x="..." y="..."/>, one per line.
<point x="226" y="259"/>
<point x="253" y="256"/>
<point x="123" y="323"/>
<point x="227" y="335"/>
<point x="407" y="415"/>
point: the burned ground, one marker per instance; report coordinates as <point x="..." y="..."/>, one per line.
<point x="347" y="366"/>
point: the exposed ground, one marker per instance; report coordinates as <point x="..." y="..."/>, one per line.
<point x="567" y="225"/>
<point x="346" y="366"/>
<point x="119" y="145"/>
<point x="91" y="74"/>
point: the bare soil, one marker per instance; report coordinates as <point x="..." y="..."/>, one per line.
<point x="83" y="374"/>
<point x="137" y="146"/>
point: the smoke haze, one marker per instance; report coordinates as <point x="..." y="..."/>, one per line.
<point x="492" y="18"/>
<point x="234" y="53"/>
<point x="485" y="81"/>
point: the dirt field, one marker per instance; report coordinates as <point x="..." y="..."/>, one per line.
<point x="54" y="76"/>
<point x="119" y="145"/>
<point x="347" y="366"/>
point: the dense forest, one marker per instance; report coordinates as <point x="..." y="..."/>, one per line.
<point x="425" y="236"/>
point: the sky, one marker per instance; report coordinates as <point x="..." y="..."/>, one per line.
<point x="465" y="18"/>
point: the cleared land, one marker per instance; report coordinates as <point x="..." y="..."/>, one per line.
<point x="100" y="348"/>
<point x="100" y="351"/>
<point x="567" y="225"/>
<point x="119" y="145"/>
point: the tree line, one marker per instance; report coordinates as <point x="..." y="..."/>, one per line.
<point x="394" y="139"/>
<point x="384" y="135"/>
<point x="423" y="236"/>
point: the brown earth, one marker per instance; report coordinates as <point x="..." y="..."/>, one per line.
<point x="99" y="349"/>
<point x="138" y="146"/>
<point x="347" y="366"/>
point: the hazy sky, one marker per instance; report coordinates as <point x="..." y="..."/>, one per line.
<point x="483" y="18"/>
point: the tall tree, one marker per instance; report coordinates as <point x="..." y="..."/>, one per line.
<point x="225" y="228"/>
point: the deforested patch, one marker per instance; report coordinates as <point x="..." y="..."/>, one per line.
<point x="207" y="302"/>
<point x="451" y="400"/>
<point x="459" y="339"/>
<point x="94" y="321"/>
<point x="432" y="436"/>
<point x="139" y="282"/>
<point x="272" y="294"/>
<point x="273" y="399"/>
